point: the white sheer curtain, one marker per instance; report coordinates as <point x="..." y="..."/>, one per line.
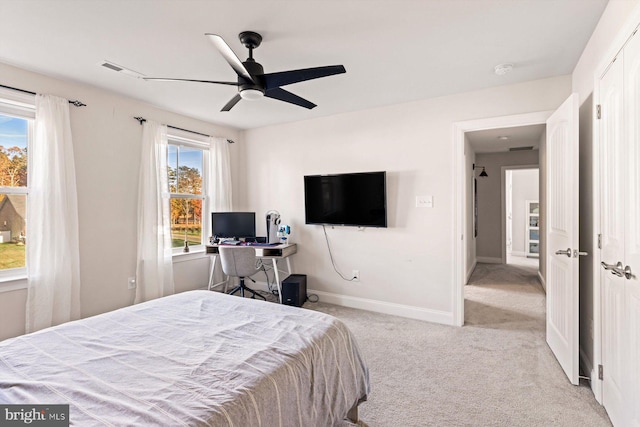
<point x="154" y="271"/>
<point x="219" y="191"/>
<point x="53" y="259"/>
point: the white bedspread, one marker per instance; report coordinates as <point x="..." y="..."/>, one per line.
<point x="198" y="358"/>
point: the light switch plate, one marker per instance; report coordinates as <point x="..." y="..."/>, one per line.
<point x="424" y="201"/>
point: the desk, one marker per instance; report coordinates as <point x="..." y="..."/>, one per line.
<point x="273" y="253"/>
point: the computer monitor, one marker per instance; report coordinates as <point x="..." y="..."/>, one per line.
<point x="233" y="225"/>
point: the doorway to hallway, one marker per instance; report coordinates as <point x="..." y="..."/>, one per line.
<point x="522" y="207"/>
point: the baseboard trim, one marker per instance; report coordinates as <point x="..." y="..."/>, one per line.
<point x="518" y="253"/>
<point x="542" y="281"/>
<point x="470" y="271"/>
<point x="401" y="310"/>
<point x="394" y="309"/>
<point x="489" y="260"/>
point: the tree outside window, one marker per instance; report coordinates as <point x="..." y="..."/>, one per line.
<point x="185" y="169"/>
<point x="14" y="136"/>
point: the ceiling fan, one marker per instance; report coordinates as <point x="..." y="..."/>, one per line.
<point x="252" y="82"/>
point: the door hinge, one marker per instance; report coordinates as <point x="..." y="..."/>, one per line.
<point x="600" y="370"/>
<point x="598" y="111"/>
<point x="599" y="241"/>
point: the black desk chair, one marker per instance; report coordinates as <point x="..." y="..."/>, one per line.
<point x="239" y="261"/>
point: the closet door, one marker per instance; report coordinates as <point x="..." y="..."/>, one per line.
<point x="632" y="225"/>
<point x="620" y="229"/>
<point x="612" y="193"/>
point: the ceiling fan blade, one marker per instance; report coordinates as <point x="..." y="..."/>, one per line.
<point x="164" y="79"/>
<point x="232" y="102"/>
<point x="283" y="95"/>
<point x="230" y="57"/>
<point x="273" y="80"/>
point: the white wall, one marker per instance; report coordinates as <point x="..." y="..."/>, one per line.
<point x="615" y="26"/>
<point x="107" y="155"/>
<point x="525" y="187"/>
<point x="407" y="268"/>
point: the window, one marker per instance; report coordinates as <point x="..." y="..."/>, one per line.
<point x="16" y="129"/>
<point x="186" y="169"/>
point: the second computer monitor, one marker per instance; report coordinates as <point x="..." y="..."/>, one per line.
<point x="233" y="225"/>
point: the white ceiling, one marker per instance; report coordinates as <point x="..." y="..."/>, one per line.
<point x="493" y="140"/>
<point x="394" y="51"/>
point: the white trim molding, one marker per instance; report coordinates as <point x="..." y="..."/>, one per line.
<point x="470" y="271"/>
<point x="542" y="281"/>
<point x="401" y="310"/>
<point x="458" y="178"/>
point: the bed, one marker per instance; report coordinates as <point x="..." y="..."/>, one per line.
<point x="198" y="358"/>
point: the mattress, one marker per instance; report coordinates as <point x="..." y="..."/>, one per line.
<point x="198" y="358"/>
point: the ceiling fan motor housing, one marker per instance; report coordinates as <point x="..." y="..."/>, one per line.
<point x="256" y="71"/>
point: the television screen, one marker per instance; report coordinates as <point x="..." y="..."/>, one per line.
<point x="233" y="224"/>
<point x="357" y="199"/>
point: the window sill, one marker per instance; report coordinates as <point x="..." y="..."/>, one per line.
<point x="189" y="256"/>
<point x="8" y="284"/>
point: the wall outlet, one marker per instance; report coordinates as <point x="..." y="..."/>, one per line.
<point x="131" y="283"/>
<point x="356" y="275"/>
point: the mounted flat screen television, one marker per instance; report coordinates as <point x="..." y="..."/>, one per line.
<point x="356" y="199"/>
<point x="233" y="225"/>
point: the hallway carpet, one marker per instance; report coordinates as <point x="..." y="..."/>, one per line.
<point x="497" y="370"/>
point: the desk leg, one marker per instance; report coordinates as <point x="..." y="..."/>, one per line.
<point x="277" y="277"/>
<point x="212" y="269"/>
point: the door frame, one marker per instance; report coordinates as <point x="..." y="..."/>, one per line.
<point x="460" y="176"/>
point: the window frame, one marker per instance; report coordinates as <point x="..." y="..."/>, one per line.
<point x="180" y="138"/>
<point x="22" y="106"/>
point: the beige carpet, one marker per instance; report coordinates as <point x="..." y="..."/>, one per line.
<point x="495" y="371"/>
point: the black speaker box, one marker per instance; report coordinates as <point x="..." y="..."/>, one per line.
<point x="294" y="290"/>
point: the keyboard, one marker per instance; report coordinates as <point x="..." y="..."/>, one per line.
<point x="231" y="242"/>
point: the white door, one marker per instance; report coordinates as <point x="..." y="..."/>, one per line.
<point x="612" y="230"/>
<point x="562" y="236"/>
<point x="632" y="226"/>
<point x="620" y="228"/>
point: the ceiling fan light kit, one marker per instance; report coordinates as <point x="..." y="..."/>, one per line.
<point x="252" y="82"/>
<point x="251" y="94"/>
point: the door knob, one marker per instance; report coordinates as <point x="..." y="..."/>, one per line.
<point x="615" y="269"/>
<point x="607" y="266"/>
<point x="567" y="252"/>
<point x="627" y="273"/>
<point x="577" y="253"/>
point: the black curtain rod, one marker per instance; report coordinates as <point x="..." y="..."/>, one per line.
<point x="142" y="120"/>
<point x="76" y="102"/>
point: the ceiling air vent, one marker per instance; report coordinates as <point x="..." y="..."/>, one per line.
<point x="115" y="67"/>
<point x="111" y="66"/>
<point x="530" y="147"/>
